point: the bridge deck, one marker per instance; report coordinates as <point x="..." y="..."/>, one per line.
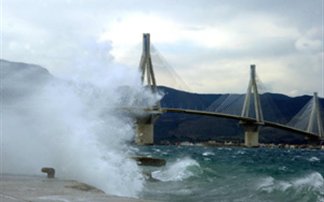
<point x="245" y="119"/>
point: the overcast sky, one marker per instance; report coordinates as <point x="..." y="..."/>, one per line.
<point x="209" y="43"/>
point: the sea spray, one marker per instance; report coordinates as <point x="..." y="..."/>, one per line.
<point x="73" y="126"/>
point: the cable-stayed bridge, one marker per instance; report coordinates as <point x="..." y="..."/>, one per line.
<point x="246" y="109"/>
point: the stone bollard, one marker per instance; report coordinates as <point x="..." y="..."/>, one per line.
<point x="50" y="172"/>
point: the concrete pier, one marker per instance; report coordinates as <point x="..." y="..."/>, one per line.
<point x="251" y="134"/>
<point x="15" y="188"/>
<point x="145" y="128"/>
<point x="145" y="134"/>
<point x="251" y="138"/>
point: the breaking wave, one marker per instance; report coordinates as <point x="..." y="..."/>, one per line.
<point x="310" y="186"/>
<point x="180" y="170"/>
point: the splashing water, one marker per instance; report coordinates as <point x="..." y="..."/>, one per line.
<point x="71" y="126"/>
<point x="312" y="181"/>
<point x="177" y="171"/>
<point x="310" y="187"/>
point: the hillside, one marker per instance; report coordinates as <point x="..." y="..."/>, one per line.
<point x="21" y="79"/>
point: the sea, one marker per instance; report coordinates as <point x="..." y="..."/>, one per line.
<point x="202" y="173"/>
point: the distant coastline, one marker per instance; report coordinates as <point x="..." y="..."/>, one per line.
<point x="262" y="145"/>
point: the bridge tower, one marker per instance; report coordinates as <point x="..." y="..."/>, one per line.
<point x="251" y="129"/>
<point x="146" y="67"/>
<point x="315" y="122"/>
<point x="145" y="123"/>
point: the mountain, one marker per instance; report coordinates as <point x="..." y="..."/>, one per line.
<point x="21" y="79"/>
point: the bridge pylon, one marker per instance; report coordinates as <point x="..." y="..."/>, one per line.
<point x="145" y="124"/>
<point x="251" y="136"/>
<point x="315" y="123"/>
<point x="146" y="67"/>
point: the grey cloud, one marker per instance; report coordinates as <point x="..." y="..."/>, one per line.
<point x="57" y="33"/>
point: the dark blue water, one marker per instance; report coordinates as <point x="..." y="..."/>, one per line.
<point x="196" y="173"/>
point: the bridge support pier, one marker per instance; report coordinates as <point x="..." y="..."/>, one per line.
<point x="145" y="129"/>
<point x="251" y="134"/>
<point x="144" y="133"/>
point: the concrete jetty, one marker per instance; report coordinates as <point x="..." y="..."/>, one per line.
<point x="14" y="188"/>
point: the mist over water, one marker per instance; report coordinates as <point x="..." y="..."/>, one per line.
<point x="73" y="125"/>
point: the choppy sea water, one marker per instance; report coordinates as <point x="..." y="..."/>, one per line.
<point x="195" y="173"/>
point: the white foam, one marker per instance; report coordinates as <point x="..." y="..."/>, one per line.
<point x="313" y="181"/>
<point x="240" y="152"/>
<point x="266" y="184"/>
<point x="177" y="171"/>
<point x="314" y="159"/>
<point x="208" y="153"/>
